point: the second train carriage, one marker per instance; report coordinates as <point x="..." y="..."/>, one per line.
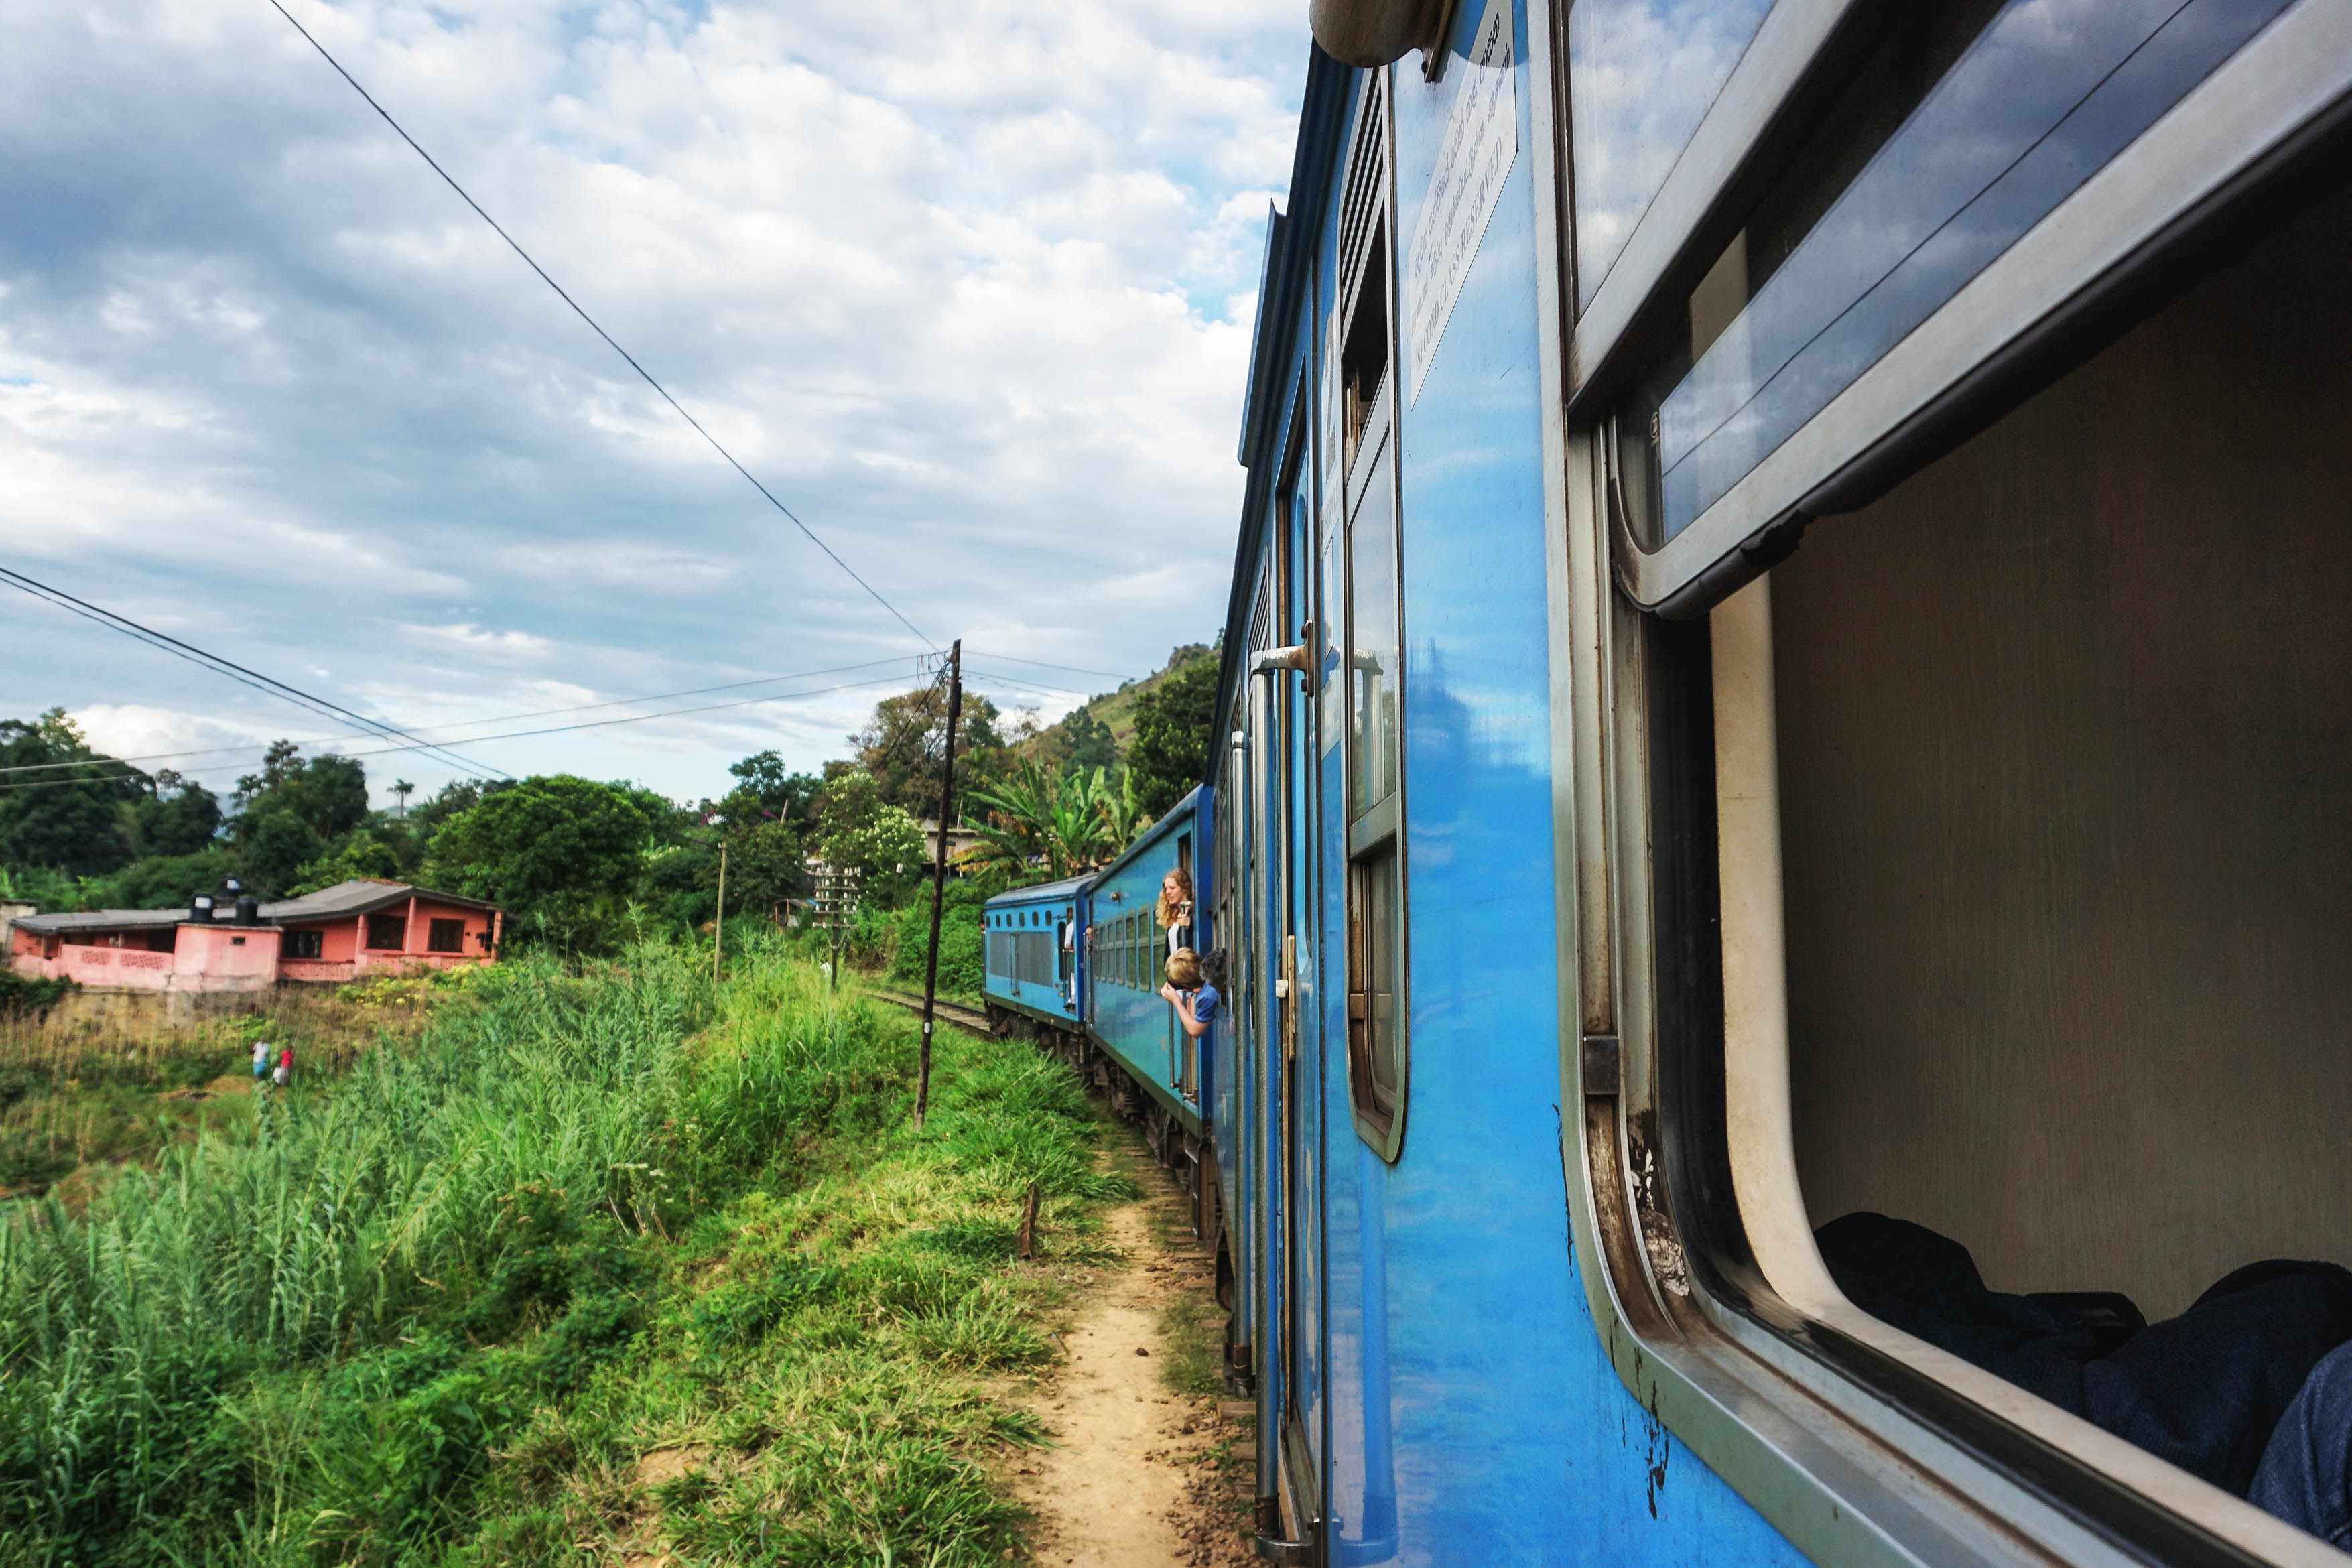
<point x="1786" y="660"/>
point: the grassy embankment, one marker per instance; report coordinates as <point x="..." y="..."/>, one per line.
<point x="593" y="1265"/>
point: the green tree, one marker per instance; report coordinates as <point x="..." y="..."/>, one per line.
<point x="329" y="794"/>
<point x="361" y="857"/>
<point x="866" y="833"/>
<point x="1091" y="745"/>
<point x="277" y="847"/>
<point x="782" y="793"/>
<point x="1173" y="725"/>
<point x="561" y="853"/>
<point x="161" y="882"/>
<point x="901" y="746"/>
<point x="1044" y="824"/>
<point x="764" y="868"/>
<point x="179" y="818"/>
<point x="71" y="817"/>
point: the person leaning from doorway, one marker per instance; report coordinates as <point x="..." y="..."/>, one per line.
<point x="1194" y="999"/>
<point x="1174" y="910"/>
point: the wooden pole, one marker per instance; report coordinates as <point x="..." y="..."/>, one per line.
<point x="939" y="876"/>
<point x="719" y="927"/>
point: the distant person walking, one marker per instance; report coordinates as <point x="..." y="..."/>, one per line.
<point x="260" y="1059"/>
<point x="285" y="1073"/>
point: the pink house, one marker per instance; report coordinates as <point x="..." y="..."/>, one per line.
<point x="336" y="935"/>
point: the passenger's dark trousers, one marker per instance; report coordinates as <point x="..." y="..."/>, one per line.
<point x="2305" y="1475"/>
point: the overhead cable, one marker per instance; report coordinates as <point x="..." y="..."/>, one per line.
<point x="599" y="331"/>
<point x="510" y="735"/>
<point x="1048" y="664"/>
<point x="236" y="672"/>
<point x="497" y="718"/>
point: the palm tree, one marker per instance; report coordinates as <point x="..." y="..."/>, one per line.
<point x="403" y="789"/>
<point x="1121" y="815"/>
<point x="1040" y="818"/>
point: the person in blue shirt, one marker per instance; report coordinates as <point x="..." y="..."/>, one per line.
<point x="1194" y="999"/>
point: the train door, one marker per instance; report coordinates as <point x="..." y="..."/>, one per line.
<point x="1296" y="1058"/>
<point x="1261" y="941"/>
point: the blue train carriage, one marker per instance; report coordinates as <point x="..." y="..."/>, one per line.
<point x="1155" y="1072"/>
<point x="1785" y="662"/>
<point x="1033" y="958"/>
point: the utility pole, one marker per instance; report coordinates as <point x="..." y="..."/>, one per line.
<point x="939" y="876"/>
<point x="719" y="927"/>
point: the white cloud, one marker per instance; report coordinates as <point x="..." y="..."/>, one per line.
<point x="966" y="285"/>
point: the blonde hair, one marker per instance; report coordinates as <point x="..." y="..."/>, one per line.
<point x="1162" y="910"/>
<point x="1185" y="969"/>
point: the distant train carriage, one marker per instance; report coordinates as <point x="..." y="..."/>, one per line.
<point x="1108" y="1016"/>
<point x="1032" y="956"/>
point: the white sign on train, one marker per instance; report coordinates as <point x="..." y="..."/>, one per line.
<point x="1482" y="140"/>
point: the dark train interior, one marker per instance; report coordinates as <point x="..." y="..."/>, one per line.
<point x="2064" y="758"/>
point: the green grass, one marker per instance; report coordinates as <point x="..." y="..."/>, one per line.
<point x="598" y="1262"/>
<point x="84" y="1098"/>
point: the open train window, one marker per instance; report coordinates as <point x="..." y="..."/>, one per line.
<point x="2001" y="933"/>
<point x="1372" y="640"/>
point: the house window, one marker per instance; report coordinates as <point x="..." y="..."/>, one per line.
<point x="305" y="944"/>
<point x="446" y="936"/>
<point x="161" y="941"/>
<point x="387" y="931"/>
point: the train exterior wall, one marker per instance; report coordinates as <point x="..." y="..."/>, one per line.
<point x="1446" y="1387"/>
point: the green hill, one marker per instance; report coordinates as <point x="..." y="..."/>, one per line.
<point x="1113" y="710"/>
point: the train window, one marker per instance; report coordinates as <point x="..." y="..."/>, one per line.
<point x="1971" y="124"/>
<point x="1373" y="650"/>
<point x="2034" y="919"/>
<point x="1641" y="73"/>
<point x="1375" y="1027"/>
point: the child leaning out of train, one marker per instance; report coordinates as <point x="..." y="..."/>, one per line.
<point x="1194" y="999"/>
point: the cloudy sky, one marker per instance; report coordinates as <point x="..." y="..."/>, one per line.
<point x="967" y="285"/>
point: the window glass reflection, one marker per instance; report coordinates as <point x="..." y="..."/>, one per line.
<point x="1640" y="76"/>
<point x="1373" y="641"/>
<point x="2048" y="93"/>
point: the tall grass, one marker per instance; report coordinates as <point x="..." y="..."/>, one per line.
<point x="440" y="1310"/>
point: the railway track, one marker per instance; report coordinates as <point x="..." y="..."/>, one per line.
<point x="946" y="1012"/>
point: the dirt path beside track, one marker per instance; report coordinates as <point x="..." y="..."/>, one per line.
<point x="1141" y="1474"/>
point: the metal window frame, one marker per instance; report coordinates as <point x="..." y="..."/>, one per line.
<point x="1859" y="1444"/>
<point x="2085" y="270"/>
<point x="1379" y="830"/>
<point x="1792" y="39"/>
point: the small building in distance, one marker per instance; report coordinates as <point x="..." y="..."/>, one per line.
<point x="339" y="933"/>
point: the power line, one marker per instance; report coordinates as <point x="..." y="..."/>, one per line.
<point x="497" y="718"/>
<point x="511" y="735"/>
<point x="220" y="666"/>
<point x="1025" y="682"/>
<point x="1048" y="664"/>
<point x="600" y="332"/>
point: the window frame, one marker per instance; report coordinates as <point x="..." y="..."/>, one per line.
<point x="438" y="926"/>
<point x="1371" y="454"/>
<point x="370" y="925"/>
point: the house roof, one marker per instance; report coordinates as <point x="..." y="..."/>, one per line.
<point x="358" y="897"/>
<point x="100" y="919"/>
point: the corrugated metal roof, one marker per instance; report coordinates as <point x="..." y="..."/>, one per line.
<point x="358" y="897"/>
<point x="100" y="919"/>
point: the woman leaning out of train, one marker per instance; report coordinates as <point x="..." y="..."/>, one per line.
<point x="1174" y="908"/>
<point x="1189" y="992"/>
